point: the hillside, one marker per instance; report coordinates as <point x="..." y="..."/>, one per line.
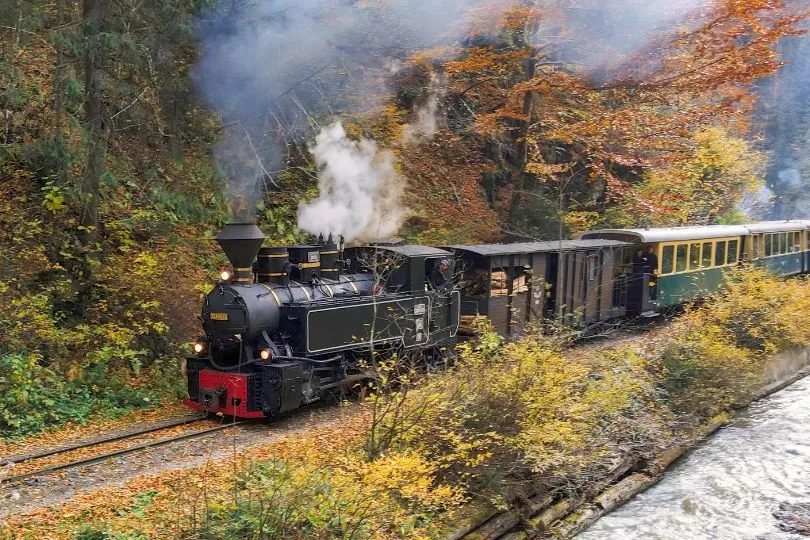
<point x="132" y="131"/>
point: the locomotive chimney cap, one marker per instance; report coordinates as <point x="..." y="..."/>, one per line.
<point x="241" y="243"/>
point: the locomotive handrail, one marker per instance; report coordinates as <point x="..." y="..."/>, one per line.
<point x="353" y="299"/>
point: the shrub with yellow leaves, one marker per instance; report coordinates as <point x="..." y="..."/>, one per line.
<point x="720" y="350"/>
<point x="508" y="412"/>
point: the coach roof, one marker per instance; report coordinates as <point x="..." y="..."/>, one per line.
<point x="777" y="226"/>
<point x="674" y="234"/>
<point x="522" y="248"/>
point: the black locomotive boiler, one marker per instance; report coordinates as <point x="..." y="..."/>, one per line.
<point x="292" y="324"/>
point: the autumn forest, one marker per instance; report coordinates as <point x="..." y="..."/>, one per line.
<point x="132" y="131"/>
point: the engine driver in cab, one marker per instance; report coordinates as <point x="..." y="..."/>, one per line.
<point x="437" y="277"/>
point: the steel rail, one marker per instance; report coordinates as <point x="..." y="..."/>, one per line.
<point x="17" y="479"/>
<point x="129" y="435"/>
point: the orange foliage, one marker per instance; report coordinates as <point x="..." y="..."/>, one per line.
<point x="643" y="114"/>
<point x="445" y="191"/>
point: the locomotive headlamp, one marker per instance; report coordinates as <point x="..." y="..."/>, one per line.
<point x="199" y="347"/>
<point x="225" y="275"/>
<point x="265" y="354"/>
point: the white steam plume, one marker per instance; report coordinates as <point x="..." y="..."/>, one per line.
<point x="426" y="125"/>
<point x="359" y="187"/>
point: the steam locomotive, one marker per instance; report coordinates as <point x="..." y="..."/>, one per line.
<point x="295" y="323"/>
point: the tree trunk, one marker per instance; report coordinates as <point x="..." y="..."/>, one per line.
<point x="522" y="146"/>
<point x="59" y="97"/>
<point x="96" y="136"/>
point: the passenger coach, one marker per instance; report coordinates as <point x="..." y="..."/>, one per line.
<point x="692" y="261"/>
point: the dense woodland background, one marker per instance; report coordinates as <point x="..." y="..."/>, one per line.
<point x="111" y="191"/>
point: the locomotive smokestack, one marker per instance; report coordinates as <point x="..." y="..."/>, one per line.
<point x="241" y="243"/>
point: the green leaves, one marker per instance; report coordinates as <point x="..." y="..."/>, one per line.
<point x="54" y="197"/>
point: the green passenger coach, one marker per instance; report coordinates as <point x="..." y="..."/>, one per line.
<point x="692" y="261"/>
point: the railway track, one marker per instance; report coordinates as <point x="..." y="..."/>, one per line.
<point x="17" y="479"/>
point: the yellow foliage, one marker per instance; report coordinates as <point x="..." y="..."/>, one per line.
<point x="581" y="221"/>
<point x="408" y="476"/>
<point x="709" y="184"/>
<point x="522" y="405"/>
<point x="720" y="350"/>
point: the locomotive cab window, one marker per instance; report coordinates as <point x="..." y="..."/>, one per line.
<point x="435" y="277"/>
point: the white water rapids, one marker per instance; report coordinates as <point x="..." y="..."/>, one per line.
<point x="728" y="487"/>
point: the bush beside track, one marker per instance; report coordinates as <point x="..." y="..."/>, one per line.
<point x="507" y="421"/>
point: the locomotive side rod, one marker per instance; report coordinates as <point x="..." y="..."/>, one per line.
<point x="17" y="479"/>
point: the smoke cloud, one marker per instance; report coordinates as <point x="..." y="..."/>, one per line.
<point x="359" y="189"/>
<point x="600" y="35"/>
<point x="275" y="68"/>
<point x="783" y="115"/>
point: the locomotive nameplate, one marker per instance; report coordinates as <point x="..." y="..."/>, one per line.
<point x="218" y="316"/>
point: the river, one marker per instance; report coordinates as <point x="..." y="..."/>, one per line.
<point x="729" y="486"/>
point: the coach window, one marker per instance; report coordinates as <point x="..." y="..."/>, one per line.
<point x="667" y="259"/>
<point x="720" y="254"/>
<point x="706" y="261"/>
<point x="783" y="247"/>
<point x="680" y="258"/>
<point x="768" y="245"/>
<point x="694" y="256"/>
<point x="796" y="242"/>
<point x="756" y="246"/>
<point x="625" y="264"/>
<point x="732" y="251"/>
